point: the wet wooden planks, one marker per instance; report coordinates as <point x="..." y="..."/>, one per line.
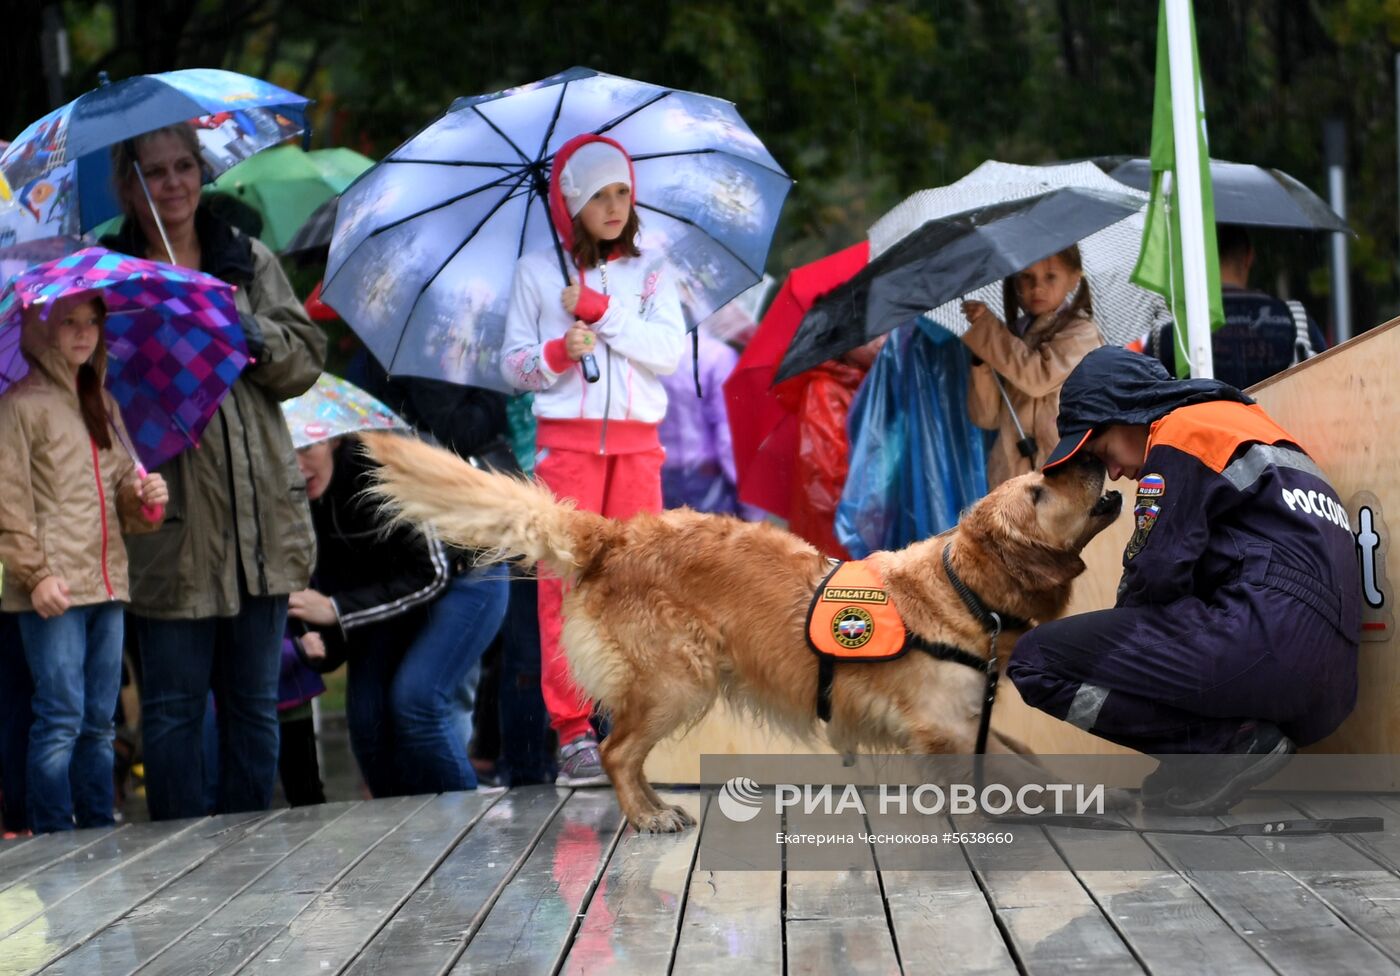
<point x="545" y="880"/>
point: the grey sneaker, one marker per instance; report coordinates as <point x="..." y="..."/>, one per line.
<point x="580" y="764"/>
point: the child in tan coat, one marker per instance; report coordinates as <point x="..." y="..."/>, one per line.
<point x="1028" y="360"/>
<point x="69" y="492"/>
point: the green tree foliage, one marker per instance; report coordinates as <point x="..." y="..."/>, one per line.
<point x="862" y="101"/>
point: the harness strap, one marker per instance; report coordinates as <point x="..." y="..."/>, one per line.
<point x="826" y="669"/>
<point x="947" y="652"/>
<point x="826" y="677"/>
<point x="992" y="623"/>
<point x="1001" y="620"/>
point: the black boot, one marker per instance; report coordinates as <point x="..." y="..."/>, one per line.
<point x="1159" y="782"/>
<point x="1259" y="750"/>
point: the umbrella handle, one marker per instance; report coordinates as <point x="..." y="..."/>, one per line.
<point x="1026" y="444"/>
<point x="160" y="225"/>
<point x="152" y="513"/>
<point x="589" y="364"/>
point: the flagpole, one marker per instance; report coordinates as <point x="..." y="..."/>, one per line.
<point x="1186" y="111"/>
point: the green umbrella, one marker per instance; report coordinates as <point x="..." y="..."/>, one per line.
<point x="286" y="184"/>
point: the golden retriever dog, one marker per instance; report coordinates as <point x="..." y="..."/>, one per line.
<point x="664" y="613"/>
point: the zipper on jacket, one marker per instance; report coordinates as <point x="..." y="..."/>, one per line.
<point x="258" y="554"/>
<point x="102" y="507"/>
<point x="607" y="393"/>
<point x="607" y="406"/>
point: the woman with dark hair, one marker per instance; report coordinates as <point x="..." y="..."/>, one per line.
<point x="70" y="489"/>
<point x="209" y="590"/>
<point x="1017" y="369"/>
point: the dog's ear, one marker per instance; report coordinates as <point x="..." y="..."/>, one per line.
<point x="1029" y="564"/>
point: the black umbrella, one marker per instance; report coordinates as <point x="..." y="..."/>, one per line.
<point x="945" y="259"/>
<point x="316" y="232"/>
<point x="1244" y="194"/>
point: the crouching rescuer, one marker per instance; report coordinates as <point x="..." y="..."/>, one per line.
<point x="1236" y="627"/>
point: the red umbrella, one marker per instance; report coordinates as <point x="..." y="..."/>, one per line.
<point x="317" y="309"/>
<point x="762" y="420"/>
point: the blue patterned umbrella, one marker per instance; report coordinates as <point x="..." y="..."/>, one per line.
<point x="426" y="243"/>
<point x="60" y="170"/>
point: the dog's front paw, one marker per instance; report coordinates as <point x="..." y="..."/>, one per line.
<point x="684" y="815"/>
<point x="667" y="820"/>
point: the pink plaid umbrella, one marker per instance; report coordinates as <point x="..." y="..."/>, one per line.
<point x="174" y="341"/>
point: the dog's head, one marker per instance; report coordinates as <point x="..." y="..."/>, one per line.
<point x="1031" y="529"/>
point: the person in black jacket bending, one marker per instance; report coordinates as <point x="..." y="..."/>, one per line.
<point x="473" y="423"/>
<point x="410" y="617"/>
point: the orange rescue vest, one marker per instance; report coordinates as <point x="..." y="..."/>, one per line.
<point x="852" y="617"/>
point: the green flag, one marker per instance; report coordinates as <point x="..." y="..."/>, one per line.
<point x="1159" y="266"/>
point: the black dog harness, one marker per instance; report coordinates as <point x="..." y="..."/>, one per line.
<point x="993" y="623"/>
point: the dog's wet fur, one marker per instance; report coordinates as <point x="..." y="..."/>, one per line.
<point x="664" y="613"/>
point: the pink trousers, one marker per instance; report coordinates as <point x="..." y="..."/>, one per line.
<point x="618" y="486"/>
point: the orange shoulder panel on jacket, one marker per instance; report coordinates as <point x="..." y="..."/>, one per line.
<point x="852" y="617"/>
<point x="1214" y="431"/>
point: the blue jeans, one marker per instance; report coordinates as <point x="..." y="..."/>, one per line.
<point x="239" y="658"/>
<point x="402" y="689"/>
<point x="76" y="662"/>
<point x="16" y="715"/>
<point x="525" y="757"/>
<point x="465" y="705"/>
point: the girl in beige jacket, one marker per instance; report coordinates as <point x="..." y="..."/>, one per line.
<point x="1032" y="358"/>
<point x="69" y="491"/>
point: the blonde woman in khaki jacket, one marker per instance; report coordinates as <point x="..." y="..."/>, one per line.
<point x="70" y="490"/>
<point x="1032" y="357"/>
<point x="209" y="590"/>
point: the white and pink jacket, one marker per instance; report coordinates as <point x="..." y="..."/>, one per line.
<point x="641" y="336"/>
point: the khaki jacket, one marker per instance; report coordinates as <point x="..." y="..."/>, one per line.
<point x="1033" y="369"/>
<point x="238" y="520"/>
<point x="64" y="502"/>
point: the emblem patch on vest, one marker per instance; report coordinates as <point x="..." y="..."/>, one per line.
<point x="1151" y="490"/>
<point x="852" y="627"/>
<point x="852" y="616"/>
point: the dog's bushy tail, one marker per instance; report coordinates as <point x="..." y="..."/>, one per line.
<point x="501" y="516"/>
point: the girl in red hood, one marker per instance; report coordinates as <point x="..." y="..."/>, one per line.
<point x="70" y="490"/>
<point x="597" y="442"/>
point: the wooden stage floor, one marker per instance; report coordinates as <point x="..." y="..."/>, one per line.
<point x="544" y="880"/>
